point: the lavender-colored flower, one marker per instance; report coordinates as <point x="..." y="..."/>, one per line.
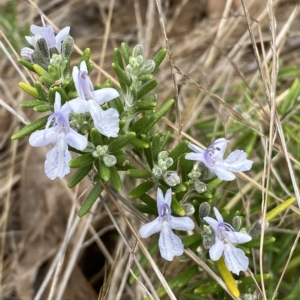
<point x="89" y="100"/>
<point x="61" y="135"/>
<point x="169" y="244"/>
<point x="212" y="158"/>
<point x="225" y="237"/>
<point x="47" y="32"/>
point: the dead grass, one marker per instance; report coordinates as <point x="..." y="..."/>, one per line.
<point x="46" y="251"/>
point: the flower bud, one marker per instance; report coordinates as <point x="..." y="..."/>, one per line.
<point x="236" y="223"/>
<point x="157" y="172"/>
<point x="40" y="45"/>
<point x="256" y="227"/>
<point x="162" y="155"/>
<point x="148" y="67"/>
<point x="189" y="209"/>
<point x="109" y="160"/>
<point x="207" y="241"/>
<point x="169" y="162"/>
<point x="200" y="186"/>
<point x="207" y="230"/>
<point x="171" y="178"/>
<point x="26" y="53"/>
<point x="138" y="50"/>
<point x="67" y="47"/>
<point x="204" y="210"/>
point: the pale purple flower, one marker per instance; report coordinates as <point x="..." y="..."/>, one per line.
<point x="225" y="238"/>
<point x="47" y="32"/>
<point x="60" y="135"/>
<point x="212" y="158"/>
<point x="169" y="244"/>
<point x="89" y="100"/>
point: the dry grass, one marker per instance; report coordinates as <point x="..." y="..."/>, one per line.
<point x="46" y="251"/>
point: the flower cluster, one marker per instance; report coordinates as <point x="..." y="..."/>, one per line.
<point x="114" y="131"/>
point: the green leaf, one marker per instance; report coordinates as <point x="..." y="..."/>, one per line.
<point x="115" y="179"/>
<point x="255" y="243"/>
<point x="26" y="64"/>
<point x="121" y="141"/>
<point x="145" y="105"/>
<point x="146" y="88"/>
<point x="192" y="239"/>
<point x="63" y="94"/>
<point x="104" y="171"/>
<point x="186" y="167"/>
<point x="118" y="58"/>
<point x="29" y="89"/>
<point x="122" y="77"/>
<point x="292" y="96"/>
<point x="213" y="183"/>
<point x="41" y="92"/>
<point x="159" y="142"/>
<point x="141" y="189"/>
<point x="179" y="150"/>
<point x="96" y="137"/>
<point x="81" y="161"/>
<point x="90" y="199"/>
<point x="139" y="173"/>
<point x="177" y="207"/>
<point x="51" y="96"/>
<point x="125" y="52"/>
<point x="159" y="57"/>
<point x="140" y="123"/>
<point x="31" y="103"/>
<point x="280" y="208"/>
<point x="79" y="175"/>
<point x="43" y="108"/>
<point x="139" y="143"/>
<point x="28" y="129"/>
<point x="117" y="104"/>
<point x="147" y="151"/>
<point x="145" y="209"/>
<point x="149" y="201"/>
<point x="85" y="56"/>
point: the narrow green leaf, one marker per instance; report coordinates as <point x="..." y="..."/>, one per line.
<point x="51" y="96"/>
<point x="140" y="123"/>
<point x="121" y="141"/>
<point x="159" y="142"/>
<point x="141" y="189"/>
<point x="79" y="175"/>
<point x="43" y="108"/>
<point x="149" y="201"/>
<point x="192" y="239"/>
<point x="115" y="179"/>
<point x="85" y="56"/>
<point x="145" y="105"/>
<point x="122" y="77"/>
<point x="147" y="151"/>
<point x="280" y="208"/>
<point x="139" y="143"/>
<point x="125" y="52"/>
<point x="145" y="209"/>
<point x="118" y="58"/>
<point x="63" y="94"/>
<point x="31" y="103"/>
<point x="104" y="171"/>
<point x="179" y="150"/>
<point x="96" y="137"/>
<point x="255" y="243"/>
<point x="159" y="57"/>
<point x="26" y="64"/>
<point x="29" y="89"/>
<point x="117" y="104"/>
<point x="139" y="173"/>
<point x="28" y="129"/>
<point x="146" y="88"/>
<point x="81" y="161"/>
<point x="90" y="199"/>
<point x="291" y="98"/>
<point x="177" y="208"/>
<point x="41" y="92"/>
<point x="186" y="167"/>
<point x="40" y="71"/>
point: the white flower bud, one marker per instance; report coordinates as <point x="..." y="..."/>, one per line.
<point x="109" y="160"/>
<point x="169" y="162"/>
<point x="189" y="209"/>
<point x="138" y="50"/>
<point x="207" y="241"/>
<point x="157" y="172"/>
<point x="236" y="223"/>
<point x="162" y="155"/>
<point x="200" y="186"/>
<point x="204" y="210"/>
<point x="171" y="178"/>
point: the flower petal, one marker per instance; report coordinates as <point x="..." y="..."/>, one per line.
<point x="61" y="35"/>
<point x="57" y="159"/>
<point x="170" y="245"/>
<point x="105" y="95"/>
<point x="29" y="40"/>
<point x="195" y="156"/>
<point x="216" y="250"/>
<point x="195" y="148"/>
<point x="107" y="122"/>
<point x="222" y="173"/>
<point x="43" y="137"/>
<point x="160" y="199"/>
<point x="181" y="223"/>
<point x="218" y="215"/>
<point x="237" y="237"/>
<point x="212" y="222"/>
<point x="219" y="146"/>
<point x="150" y="228"/>
<point x="76" y="140"/>
<point x="79" y="105"/>
<point x="237" y="162"/>
<point x="235" y="259"/>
